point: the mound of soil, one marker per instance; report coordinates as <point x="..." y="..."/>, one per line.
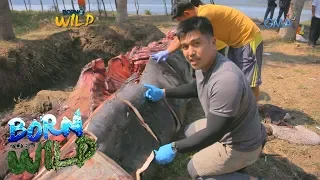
<point x="59" y="58"/>
<point x="114" y="39"/>
<point x="43" y="102"/>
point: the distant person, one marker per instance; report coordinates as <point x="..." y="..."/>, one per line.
<point x="82" y="5"/>
<point x="284" y="6"/>
<point x="315" y="23"/>
<point x="231" y="137"/>
<point x="232" y="27"/>
<point x="270" y="9"/>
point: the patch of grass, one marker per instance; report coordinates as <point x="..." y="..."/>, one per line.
<point x="26" y="21"/>
<point x="177" y="169"/>
<point x="301" y="71"/>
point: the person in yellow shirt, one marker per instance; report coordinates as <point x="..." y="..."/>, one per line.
<point x="231" y="27"/>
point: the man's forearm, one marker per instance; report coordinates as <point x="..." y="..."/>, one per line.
<point x="183" y="91"/>
<point x="174" y="45"/>
<point x="216" y="127"/>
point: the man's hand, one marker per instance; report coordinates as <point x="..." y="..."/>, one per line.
<point x="160" y="56"/>
<point x="153" y="93"/>
<point x="165" y="154"/>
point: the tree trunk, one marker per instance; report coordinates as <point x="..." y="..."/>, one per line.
<point x="98" y="4"/>
<point x="122" y="13"/>
<point x="136" y="4"/>
<point x="116" y="4"/>
<point x="104" y="7"/>
<point x="111" y="8"/>
<point x="6" y="29"/>
<point x="11" y="5"/>
<point x="64" y="6"/>
<point x="165" y="7"/>
<point x="89" y="5"/>
<point x="72" y="4"/>
<point x="57" y="6"/>
<point x="294" y="14"/>
<point x="25" y="4"/>
<point x="41" y="5"/>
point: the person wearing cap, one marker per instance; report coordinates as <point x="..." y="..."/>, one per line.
<point x="232" y="27"/>
<point x="231" y="137"/>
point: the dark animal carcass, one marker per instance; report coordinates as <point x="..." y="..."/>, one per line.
<point x="117" y="127"/>
<point x="127" y="127"/>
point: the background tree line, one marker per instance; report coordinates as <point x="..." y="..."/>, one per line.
<point x="6" y="29"/>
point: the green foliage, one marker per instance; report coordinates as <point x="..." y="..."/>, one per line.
<point x="147" y="12"/>
<point x="25" y="21"/>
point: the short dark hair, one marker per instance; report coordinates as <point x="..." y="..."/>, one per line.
<point x="197" y="2"/>
<point x="201" y="24"/>
<point x="180" y="6"/>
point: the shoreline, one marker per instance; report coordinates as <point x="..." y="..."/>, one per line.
<point x="253" y="10"/>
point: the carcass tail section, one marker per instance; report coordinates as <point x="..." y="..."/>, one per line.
<point x="119" y="132"/>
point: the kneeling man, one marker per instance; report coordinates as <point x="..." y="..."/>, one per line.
<point x="231" y="136"/>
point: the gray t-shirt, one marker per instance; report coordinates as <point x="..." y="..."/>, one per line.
<point x="224" y="91"/>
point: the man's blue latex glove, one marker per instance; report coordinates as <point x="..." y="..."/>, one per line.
<point x="153" y="93"/>
<point x="165" y="154"/>
<point x="160" y="56"/>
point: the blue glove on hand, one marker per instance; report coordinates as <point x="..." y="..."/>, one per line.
<point x="165" y="154"/>
<point x="160" y="56"/>
<point x="153" y="93"/>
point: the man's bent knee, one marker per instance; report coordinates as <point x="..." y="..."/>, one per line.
<point x="192" y="170"/>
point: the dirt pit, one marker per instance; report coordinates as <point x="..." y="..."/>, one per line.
<point x="43" y="59"/>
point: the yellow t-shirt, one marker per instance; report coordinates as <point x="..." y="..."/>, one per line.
<point x="229" y="25"/>
<point x="220" y="45"/>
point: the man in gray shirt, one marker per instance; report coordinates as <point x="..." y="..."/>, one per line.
<point x="231" y="136"/>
